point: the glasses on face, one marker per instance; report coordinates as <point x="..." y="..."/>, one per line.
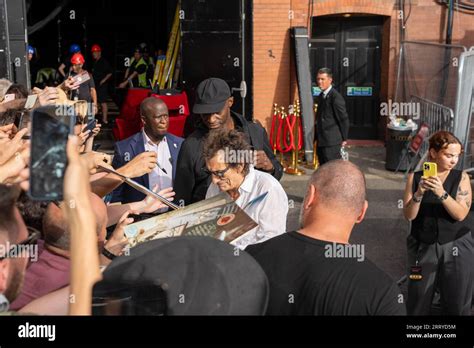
<point x="32" y="239"/>
<point x="218" y="173"/>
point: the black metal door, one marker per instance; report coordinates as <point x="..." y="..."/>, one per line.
<point x="351" y="48"/>
<point x="216" y="37"/>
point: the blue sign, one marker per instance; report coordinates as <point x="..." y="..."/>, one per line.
<point x="315" y="91"/>
<point x="359" y="91"/>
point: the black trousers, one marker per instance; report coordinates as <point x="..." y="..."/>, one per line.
<point x="328" y="153"/>
<point x="447" y="267"/>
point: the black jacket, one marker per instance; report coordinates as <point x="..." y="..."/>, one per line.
<point x="192" y="181"/>
<point x="332" y="121"/>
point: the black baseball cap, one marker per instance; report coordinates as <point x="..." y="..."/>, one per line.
<point x="211" y="95"/>
<point x="187" y="275"/>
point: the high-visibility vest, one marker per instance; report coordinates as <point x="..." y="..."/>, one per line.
<point x="142" y="80"/>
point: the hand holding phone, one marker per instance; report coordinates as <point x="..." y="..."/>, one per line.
<point x="89" y="126"/>
<point x="48" y="159"/>
<point x="430" y="169"/>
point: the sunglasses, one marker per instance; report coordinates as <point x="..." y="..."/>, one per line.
<point x="32" y="239"/>
<point x="219" y="173"/>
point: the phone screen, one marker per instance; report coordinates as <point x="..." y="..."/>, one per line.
<point x="81" y="78"/>
<point x="48" y="162"/>
<point x="90" y="126"/>
<point x="19" y="120"/>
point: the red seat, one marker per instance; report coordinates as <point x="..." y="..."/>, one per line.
<point x="178" y="109"/>
<point x="129" y="121"/>
<point x="126" y="128"/>
<point x="177" y="104"/>
<point x="131" y="105"/>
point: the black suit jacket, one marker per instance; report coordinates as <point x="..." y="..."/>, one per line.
<point x="332" y="121"/>
<point x="128" y="149"/>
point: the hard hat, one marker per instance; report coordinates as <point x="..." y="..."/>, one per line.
<point x="74" y="48"/>
<point x="31" y="49"/>
<point x="96" y="48"/>
<point x="77" y="58"/>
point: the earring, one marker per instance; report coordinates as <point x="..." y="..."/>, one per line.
<point x="4" y="304"/>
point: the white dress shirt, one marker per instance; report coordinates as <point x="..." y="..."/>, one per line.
<point x="158" y="176"/>
<point x="326" y="91"/>
<point x="270" y="214"/>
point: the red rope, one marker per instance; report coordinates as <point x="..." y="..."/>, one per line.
<point x="288" y="132"/>
<point x="300" y="134"/>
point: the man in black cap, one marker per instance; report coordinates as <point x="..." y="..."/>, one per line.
<point x="213" y="103"/>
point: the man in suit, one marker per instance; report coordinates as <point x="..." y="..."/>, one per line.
<point x="153" y="137"/>
<point x="332" y="121"/>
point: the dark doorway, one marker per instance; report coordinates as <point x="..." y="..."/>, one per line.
<point x="351" y="47"/>
<point x="216" y="42"/>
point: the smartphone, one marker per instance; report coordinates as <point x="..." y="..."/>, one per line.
<point x="90" y="126"/>
<point x="19" y="120"/>
<point x="8" y="97"/>
<point x="430" y="169"/>
<point x="48" y="160"/>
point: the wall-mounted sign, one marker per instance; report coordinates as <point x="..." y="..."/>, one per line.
<point x="359" y="91"/>
<point x="315" y="91"/>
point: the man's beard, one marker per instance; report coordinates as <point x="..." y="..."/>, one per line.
<point x="16" y="283"/>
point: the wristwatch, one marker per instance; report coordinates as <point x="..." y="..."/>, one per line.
<point x="443" y="197"/>
<point x="417" y="199"/>
<point x="108" y="254"/>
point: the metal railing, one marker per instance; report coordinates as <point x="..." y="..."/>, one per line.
<point x="437" y="116"/>
<point x="464" y="126"/>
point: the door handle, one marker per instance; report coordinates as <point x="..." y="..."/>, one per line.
<point x="242" y="89"/>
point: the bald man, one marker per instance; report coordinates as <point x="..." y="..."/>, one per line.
<point x="50" y="272"/>
<point x="315" y="271"/>
<point x="154" y="137"/>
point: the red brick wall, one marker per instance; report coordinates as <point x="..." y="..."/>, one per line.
<point x="274" y="74"/>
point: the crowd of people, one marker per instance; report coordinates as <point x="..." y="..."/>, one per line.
<point x="139" y="73"/>
<point x="81" y="244"/>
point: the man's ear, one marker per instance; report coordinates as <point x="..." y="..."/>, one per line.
<point x="362" y="213"/>
<point x="230" y="101"/>
<point x="4" y="268"/>
<point x="311" y="197"/>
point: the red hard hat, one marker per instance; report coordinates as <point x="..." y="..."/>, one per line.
<point x="96" y="48"/>
<point x="77" y="58"/>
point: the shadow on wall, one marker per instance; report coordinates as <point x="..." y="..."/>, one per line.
<point x="281" y="94"/>
<point x="468" y="39"/>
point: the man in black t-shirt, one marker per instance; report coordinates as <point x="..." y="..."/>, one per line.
<point x="86" y="90"/>
<point x="102" y="72"/>
<point x="314" y="271"/>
